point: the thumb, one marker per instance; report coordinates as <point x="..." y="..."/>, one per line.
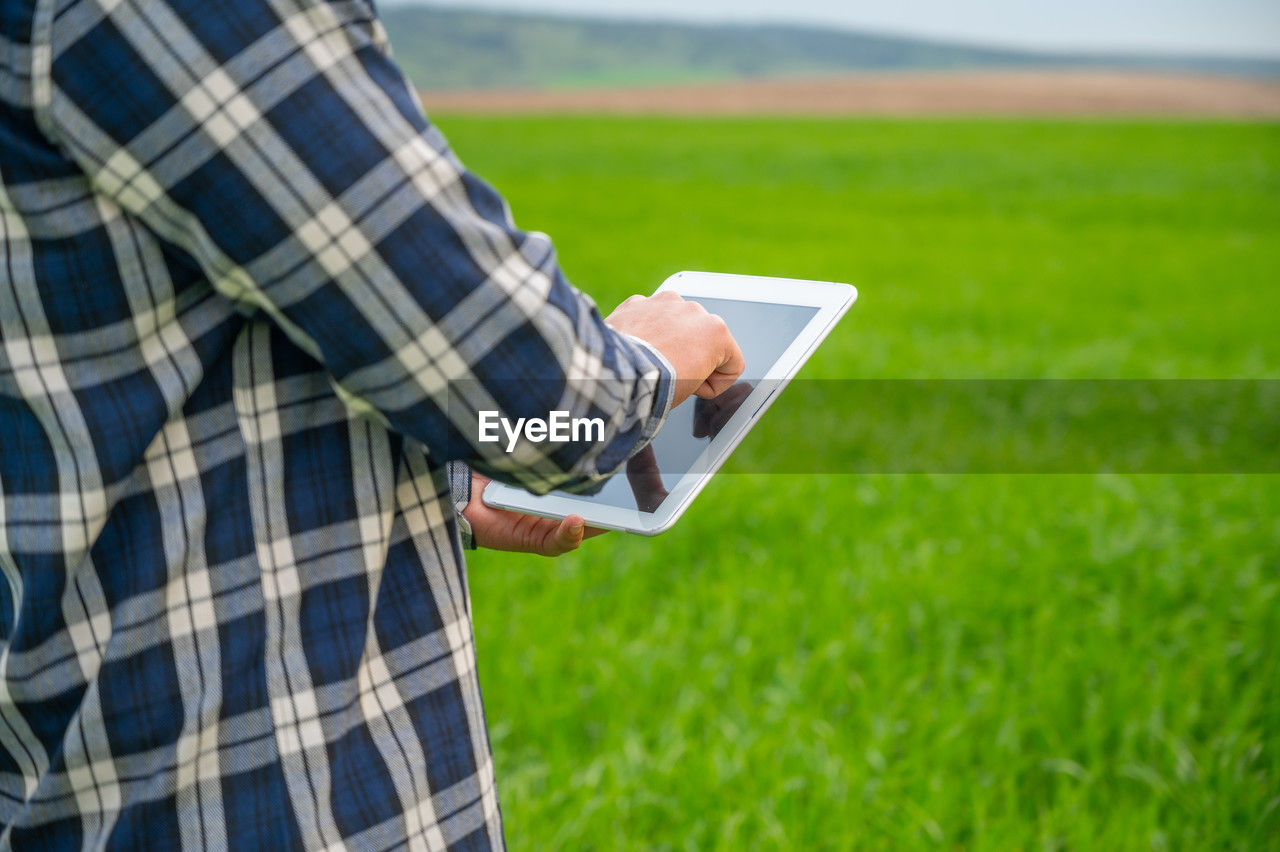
<point x="566" y="537"/>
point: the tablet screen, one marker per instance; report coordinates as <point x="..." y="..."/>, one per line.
<point x="764" y="331"/>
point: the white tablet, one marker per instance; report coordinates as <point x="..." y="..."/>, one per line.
<point x="778" y="323"/>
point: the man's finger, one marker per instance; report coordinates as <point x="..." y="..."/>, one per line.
<point x="734" y="362"/>
<point x="717" y="383"/>
<point x="568" y="536"/>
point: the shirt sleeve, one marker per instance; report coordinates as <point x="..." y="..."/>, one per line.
<point x="460" y="491"/>
<point x="279" y="146"/>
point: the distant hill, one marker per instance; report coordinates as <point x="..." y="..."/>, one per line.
<point x="444" y="48"/>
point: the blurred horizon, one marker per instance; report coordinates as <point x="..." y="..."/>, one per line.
<point x="466" y="59"/>
<point x="1238" y="29"/>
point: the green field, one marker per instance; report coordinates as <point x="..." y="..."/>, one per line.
<point x="965" y="661"/>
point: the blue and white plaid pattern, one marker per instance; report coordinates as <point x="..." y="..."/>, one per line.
<point x="249" y="303"/>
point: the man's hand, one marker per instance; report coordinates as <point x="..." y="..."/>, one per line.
<point x="698" y="344"/>
<point x="498" y="529"/>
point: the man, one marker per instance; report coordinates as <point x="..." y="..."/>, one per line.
<point x="249" y="305"/>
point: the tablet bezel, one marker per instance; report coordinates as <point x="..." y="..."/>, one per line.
<point x="832" y="301"/>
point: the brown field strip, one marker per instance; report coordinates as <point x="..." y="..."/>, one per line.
<point x="1033" y="93"/>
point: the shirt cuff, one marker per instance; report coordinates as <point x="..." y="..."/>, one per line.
<point x="663" y="393"/>
<point x="460" y="489"/>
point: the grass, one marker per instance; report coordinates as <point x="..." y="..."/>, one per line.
<point x="888" y="661"/>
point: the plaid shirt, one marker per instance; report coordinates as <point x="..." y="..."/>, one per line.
<point x="249" y="303"/>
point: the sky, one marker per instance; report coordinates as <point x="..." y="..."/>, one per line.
<point x="1226" y="27"/>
